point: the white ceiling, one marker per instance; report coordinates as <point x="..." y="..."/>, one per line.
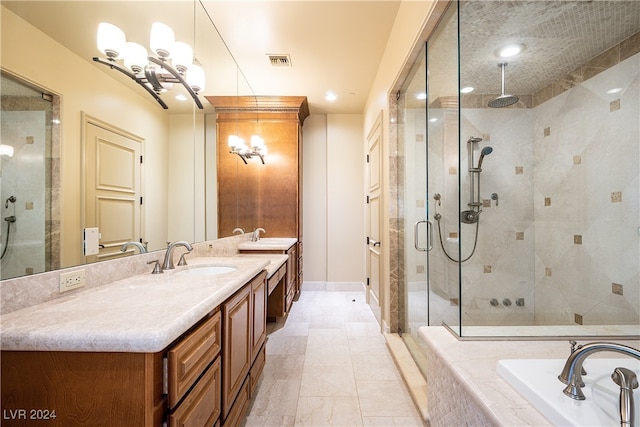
<point x="334" y="45"/>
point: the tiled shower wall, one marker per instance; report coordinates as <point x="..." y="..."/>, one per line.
<point x="563" y="237"/>
<point x="560" y="243"/>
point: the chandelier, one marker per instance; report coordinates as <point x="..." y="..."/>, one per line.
<point x="155" y="74"/>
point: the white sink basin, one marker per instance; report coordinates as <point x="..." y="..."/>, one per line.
<point x="206" y="270"/>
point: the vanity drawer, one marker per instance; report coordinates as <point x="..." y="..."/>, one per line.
<point x="189" y="358"/>
<point x="202" y="406"/>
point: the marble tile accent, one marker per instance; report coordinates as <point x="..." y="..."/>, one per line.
<point x="617" y="289"/>
<point x="616" y="197"/>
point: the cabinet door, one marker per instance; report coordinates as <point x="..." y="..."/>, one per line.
<point x="259" y="300"/>
<point x="236" y="352"/>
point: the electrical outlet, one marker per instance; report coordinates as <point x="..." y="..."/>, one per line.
<point x="72" y="280"/>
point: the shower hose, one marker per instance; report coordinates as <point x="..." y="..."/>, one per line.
<point x="6" y="242"/>
<point x="437" y="217"/>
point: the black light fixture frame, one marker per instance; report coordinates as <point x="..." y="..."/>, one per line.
<point x="248" y="155"/>
<point x="154" y="79"/>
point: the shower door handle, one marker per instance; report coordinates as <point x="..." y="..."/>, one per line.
<point x="429" y="233"/>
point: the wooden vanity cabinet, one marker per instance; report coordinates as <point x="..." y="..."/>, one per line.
<point x="204" y="378"/>
<point x="245" y="327"/>
<point x="271" y="196"/>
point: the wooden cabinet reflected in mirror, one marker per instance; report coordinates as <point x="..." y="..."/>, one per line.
<point x="254" y="195"/>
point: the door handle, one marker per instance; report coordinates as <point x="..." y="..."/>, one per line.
<point x="374" y="243"/>
<point x="429" y="233"/>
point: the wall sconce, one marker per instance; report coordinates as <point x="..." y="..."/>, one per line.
<point x="155" y="75"/>
<point x="237" y="146"/>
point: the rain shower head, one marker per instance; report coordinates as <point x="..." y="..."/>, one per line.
<point x="485" y="152"/>
<point x="503" y="100"/>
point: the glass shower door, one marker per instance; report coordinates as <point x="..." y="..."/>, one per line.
<point x="428" y="128"/>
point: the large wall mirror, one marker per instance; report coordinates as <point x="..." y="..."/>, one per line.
<point x="56" y="100"/>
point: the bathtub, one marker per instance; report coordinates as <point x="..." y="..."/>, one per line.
<point x="537" y="381"/>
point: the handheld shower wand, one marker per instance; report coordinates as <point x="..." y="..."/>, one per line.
<point x="485" y="151"/>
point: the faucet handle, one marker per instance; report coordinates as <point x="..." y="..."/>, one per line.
<point x="156" y="268"/>
<point x="183" y="261"/>
<point x="574" y="348"/>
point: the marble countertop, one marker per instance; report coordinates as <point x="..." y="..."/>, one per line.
<point x="143" y="313"/>
<point x="473" y="363"/>
<point x="269" y="244"/>
<point x="275" y="261"/>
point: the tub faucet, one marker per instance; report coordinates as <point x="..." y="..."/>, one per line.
<point x="168" y="256"/>
<point x="138" y="245"/>
<point x="238" y="230"/>
<point x="571" y="373"/>
<point x="627" y="380"/>
<point x="256" y="234"/>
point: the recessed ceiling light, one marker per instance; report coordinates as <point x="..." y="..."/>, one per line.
<point x="330" y="96"/>
<point x="421" y="95"/>
<point x="467" y="89"/>
<point x="614" y="90"/>
<point x="181" y="97"/>
<point x="510" y="50"/>
<point x="433" y="120"/>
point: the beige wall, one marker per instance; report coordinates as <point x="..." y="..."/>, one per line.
<point x="314" y="197"/>
<point x="186" y="151"/>
<point x="333" y="197"/>
<point x="33" y="56"/>
<point x="407" y="33"/>
<point x="345" y="199"/>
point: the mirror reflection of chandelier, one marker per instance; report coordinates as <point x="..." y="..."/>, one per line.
<point x="238" y="146"/>
<point x="155" y="74"/>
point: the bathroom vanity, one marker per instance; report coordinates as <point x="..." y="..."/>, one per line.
<point x="283" y="287"/>
<point x="183" y="348"/>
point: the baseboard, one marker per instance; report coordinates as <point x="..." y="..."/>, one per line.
<point x="333" y="286"/>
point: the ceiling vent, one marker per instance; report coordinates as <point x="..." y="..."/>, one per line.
<point x="280" y="60"/>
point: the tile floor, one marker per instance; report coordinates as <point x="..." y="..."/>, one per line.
<point x="328" y="365"/>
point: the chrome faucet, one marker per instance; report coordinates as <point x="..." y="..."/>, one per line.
<point x="256" y="234"/>
<point x="627" y="380"/>
<point x="238" y="230"/>
<point x="138" y="245"/>
<point x="168" y="256"/>
<point x="571" y="373"/>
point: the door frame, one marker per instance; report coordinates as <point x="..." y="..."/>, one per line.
<point x="375" y="135"/>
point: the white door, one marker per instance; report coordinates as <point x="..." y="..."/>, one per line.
<point x="113" y="201"/>
<point x="374" y="206"/>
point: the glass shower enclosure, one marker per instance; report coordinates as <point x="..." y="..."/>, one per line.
<point x="518" y="194"/>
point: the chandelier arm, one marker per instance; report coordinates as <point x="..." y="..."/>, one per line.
<point x="124" y="71"/>
<point x="239" y="155"/>
<point x="259" y="155"/>
<point x="177" y="75"/>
